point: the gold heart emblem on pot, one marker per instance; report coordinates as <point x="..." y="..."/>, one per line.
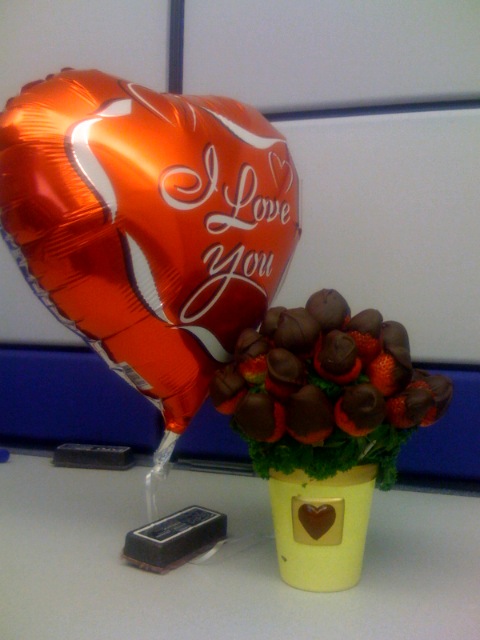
<point x="317" y="520"/>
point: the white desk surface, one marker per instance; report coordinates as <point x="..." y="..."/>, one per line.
<point x="62" y="576"/>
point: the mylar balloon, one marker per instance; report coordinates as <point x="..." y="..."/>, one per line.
<point x="157" y="226"/>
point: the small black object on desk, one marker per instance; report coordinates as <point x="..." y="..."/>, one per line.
<point x="93" y="456"/>
<point x="172" y="541"/>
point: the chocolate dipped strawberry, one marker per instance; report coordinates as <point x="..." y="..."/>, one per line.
<point x="329" y="308"/>
<point x="360" y="410"/>
<point x="394" y="335"/>
<point x="296" y="331"/>
<point x="366" y="330"/>
<point x="270" y="321"/>
<point x="337" y="359"/>
<point x="226" y="389"/>
<point x="259" y="417"/>
<point x="309" y="415"/>
<point x="285" y="373"/>
<point x="250" y="356"/>
<point x="441" y="388"/>
<point x="410" y="406"/>
<point x="391" y="370"/>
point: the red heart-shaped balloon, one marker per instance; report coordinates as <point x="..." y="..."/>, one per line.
<point x="157" y="226"/>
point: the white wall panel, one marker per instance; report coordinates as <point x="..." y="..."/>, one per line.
<point x="285" y="54"/>
<point x="23" y="318"/>
<point x="390" y="208"/>
<point x="38" y="37"/>
<point x="120" y="37"/>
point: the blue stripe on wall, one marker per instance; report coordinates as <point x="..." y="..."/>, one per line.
<point x="54" y="396"/>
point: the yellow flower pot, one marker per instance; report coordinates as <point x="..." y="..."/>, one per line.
<point x="321" y="526"/>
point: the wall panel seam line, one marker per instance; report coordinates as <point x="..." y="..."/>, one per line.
<point x="175" y="46"/>
<point x="369" y="110"/>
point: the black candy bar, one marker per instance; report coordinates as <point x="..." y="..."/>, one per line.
<point x="168" y="543"/>
<point x="92" y="456"/>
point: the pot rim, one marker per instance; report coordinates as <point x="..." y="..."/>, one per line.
<point x="357" y="475"/>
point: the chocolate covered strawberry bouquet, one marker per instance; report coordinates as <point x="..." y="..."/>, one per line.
<point x="319" y="390"/>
